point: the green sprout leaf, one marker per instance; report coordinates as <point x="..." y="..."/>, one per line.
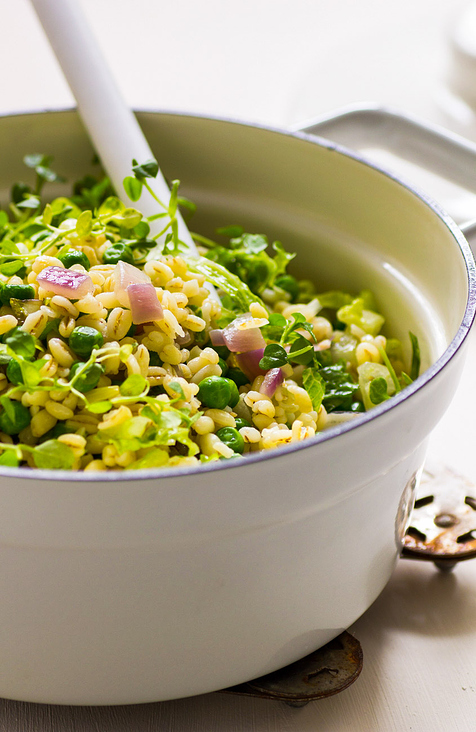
<point x="47" y="174"/>
<point x="125" y="351"/>
<point x="11" y="268"/>
<point x="233" y="231"/>
<point x="99" y="407"/>
<point x="47" y="215"/>
<point x="31" y="372"/>
<point x="378" y="390"/>
<point x="156" y="458"/>
<point x="149" y="169"/>
<point x="8" y="407"/>
<point x="274" y="356"/>
<point x="9" y="458"/>
<point x="84" y="224"/>
<point x="112" y="206"/>
<point x="32" y="202"/>
<point x="133" y="386"/>
<point x="142" y="230"/>
<point x="53" y="455"/>
<point x="301" y="351"/>
<point x="22" y="343"/>
<point x="133" y="187"/>
<point x="315" y="386"/>
<point x="175" y="387"/>
<point x="33" y="160"/>
<point x="128" y="218"/>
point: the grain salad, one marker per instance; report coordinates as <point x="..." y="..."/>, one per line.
<point x="116" y="354"/>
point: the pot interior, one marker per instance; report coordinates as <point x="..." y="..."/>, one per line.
<point x="352" y="226"/>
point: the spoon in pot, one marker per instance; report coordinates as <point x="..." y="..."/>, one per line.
<point x="112" y="127"/>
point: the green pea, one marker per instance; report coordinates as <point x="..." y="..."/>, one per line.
<point x="83" y="339"/>
<point x="234" y="394"/>
<point x="89" y="378"/>
<point x="240" y="422"/>
<point x="224" y="366"/>
<point x="17" y="422"/>
<point x="231" y="437"/>
<point x="14" y="374"/>
<point x="288" y="283"/>
<point x="214" y="392"/>
<point x="18" y="292"/>
<point x="74" y="256"/>
<point x="238" y="377"/>
<point x="117" y="252"/>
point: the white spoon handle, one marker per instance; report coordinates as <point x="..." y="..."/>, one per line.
<point x="112" y="127"/>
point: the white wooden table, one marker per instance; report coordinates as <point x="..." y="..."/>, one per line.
<point x="279" y="61"/>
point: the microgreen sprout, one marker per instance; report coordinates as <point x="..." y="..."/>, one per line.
<point x="134" y="185"/>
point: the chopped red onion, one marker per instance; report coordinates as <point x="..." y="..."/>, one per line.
<point x="240" y="340"/>
<point x="273" y="379"/>
<point x="66" y="282"/>
<point x="249" y="363"/>
<point x="126" y="274"/>
<point x="144" y="304"/>
<point x="217" y="337"/>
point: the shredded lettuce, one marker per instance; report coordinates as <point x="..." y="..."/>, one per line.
<point x="356" y="314"/>
<point x="218" y="275"/>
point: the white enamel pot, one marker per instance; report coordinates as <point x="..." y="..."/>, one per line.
<point x="139" y="587"/>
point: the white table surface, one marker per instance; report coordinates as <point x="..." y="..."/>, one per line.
<point x="278" y="62"/>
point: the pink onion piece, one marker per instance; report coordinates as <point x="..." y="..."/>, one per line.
<point x="66" y="282"/>
<point x="273" y="379"/>
<point x="144" y="304"/>
<point x="241" y="341"/>
<point x="126" y="274"/>
<point x="249" y="363"/>
<point x="217" y="337"/>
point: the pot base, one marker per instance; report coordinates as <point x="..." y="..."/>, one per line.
<point x="328" y="671"/>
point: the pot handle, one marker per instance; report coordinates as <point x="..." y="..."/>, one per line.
<point x="430" y="146"/>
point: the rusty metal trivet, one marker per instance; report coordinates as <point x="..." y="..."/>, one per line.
<point x="324" y="672"/>
<point x="443" y="522"/>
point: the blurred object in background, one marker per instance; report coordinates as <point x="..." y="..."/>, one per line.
<point x="458" y="99"/>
